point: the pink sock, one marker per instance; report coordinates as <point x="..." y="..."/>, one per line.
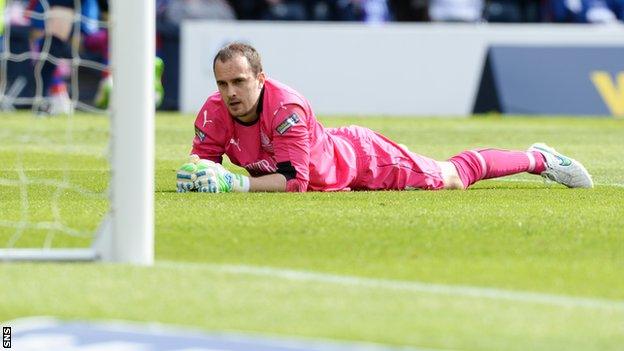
<point x="475" y="165"/>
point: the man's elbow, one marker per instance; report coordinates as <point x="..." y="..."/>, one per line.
<point x="296" y="186"/>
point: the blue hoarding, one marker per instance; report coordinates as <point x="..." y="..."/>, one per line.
<point x="551" y="80"/>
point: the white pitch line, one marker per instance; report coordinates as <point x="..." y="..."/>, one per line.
<point x="516" y="180"/>
<point x="403" y="285"/>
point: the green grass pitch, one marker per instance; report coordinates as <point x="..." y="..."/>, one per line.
<point x="511" y="264"/>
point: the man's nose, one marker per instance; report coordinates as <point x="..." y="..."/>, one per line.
<point x="231" y="92"/>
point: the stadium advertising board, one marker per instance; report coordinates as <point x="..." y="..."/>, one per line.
<point x="418" y="69"/>
<point x="553" y="81"/>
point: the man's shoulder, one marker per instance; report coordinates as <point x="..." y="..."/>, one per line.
<point x="214" y="101"/>
<point x="283" y="94"/>
<point x="213" y="105"/>
<point x="279" y="86"/>
<point x="212" y="111"/>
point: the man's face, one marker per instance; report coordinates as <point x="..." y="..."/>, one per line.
<point x="239" y="87"/>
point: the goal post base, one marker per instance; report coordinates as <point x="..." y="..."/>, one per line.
<point x="101" y="249"/>
<point x="45" y="255"/>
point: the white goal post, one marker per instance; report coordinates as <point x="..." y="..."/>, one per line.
<point x="127" y="233"/>
<point x="132" y="133"/>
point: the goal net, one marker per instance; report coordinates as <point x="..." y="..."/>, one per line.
<point x="76" y="178"/>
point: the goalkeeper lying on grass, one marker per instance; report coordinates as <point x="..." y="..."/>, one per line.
<point x="270" y="130"/>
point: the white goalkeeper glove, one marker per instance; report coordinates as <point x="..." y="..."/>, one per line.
<point x="211" y="177"/>
<point x="185" y="177"/>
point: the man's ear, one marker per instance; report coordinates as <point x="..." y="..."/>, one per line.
<point x="261" y="79"/>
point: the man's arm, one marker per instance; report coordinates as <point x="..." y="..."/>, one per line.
<point x="211" y="177"/>
<point x="291" y="142"/>
<point x="210" y="137"/>
<point x="271" y="182"/>
<point x="208" y="144"/>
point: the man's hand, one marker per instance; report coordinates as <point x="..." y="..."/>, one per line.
<point x="212" y="177"/>
<point x="209" y="177"/>
<point x="186" y="177"/>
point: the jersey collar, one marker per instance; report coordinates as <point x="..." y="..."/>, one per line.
<point x="258" y="111"/>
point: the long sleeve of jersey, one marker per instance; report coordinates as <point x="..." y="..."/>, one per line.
<point x="291" y="142"/>
<point x="208" y="143"/>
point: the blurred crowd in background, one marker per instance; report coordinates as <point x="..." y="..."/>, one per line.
<point x="28" y="33"/>
<point x="376" y="11"/>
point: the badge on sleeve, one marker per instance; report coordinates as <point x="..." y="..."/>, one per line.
<point x="287" y="123"/>
<point x="200" y="134"/>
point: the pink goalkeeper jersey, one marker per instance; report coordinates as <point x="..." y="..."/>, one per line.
<point x="286" y="138"/>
